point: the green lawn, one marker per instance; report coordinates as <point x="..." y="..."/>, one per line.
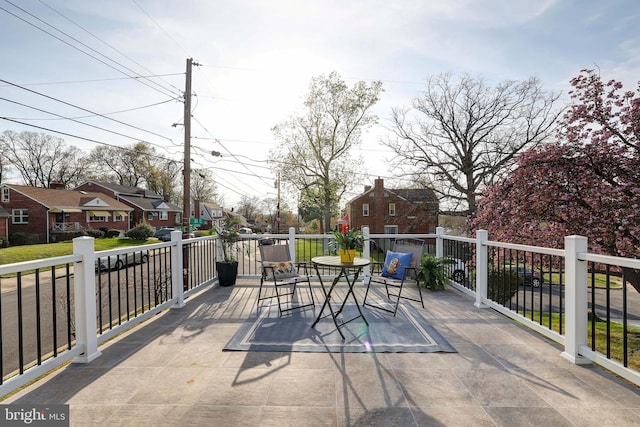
<point x="48" y="250"/>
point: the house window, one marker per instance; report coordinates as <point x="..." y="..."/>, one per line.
<point x="151" y="214"/>
<point x="365" y="209"/>
<point x="164" y="215"/>
<point x="119" y="217"/>
<point x="97" y="218"/>
<point x="390" y="229"/>
<point x="178" y="218"/>
<point x="20" y="216"/>
<point x="5" y="194"/>
<point x="392" y="209"/>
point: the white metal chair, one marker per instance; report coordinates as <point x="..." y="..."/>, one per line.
<point x="278" y="268"/>
<point x="394" y="285"/>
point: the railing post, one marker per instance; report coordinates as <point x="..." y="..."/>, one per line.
<point x="366" y="254"/>
<point x="292" y="243"/>
<point x="482" y="268"/>
<point x="177" y="267"/>
<point x="576" y="299"/>
<point x="439" y="242"/>
<point x="84" y="287"/>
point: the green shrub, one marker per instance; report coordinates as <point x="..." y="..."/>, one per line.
<point x="20" y="238"/>
<point x="141" y="231"/>
<point x="111" y="233"/>
<point x="96" y="234"/>
<point x="433" y="271"/>
<point x="4" y="243"/>
<point x="502" y="285"/>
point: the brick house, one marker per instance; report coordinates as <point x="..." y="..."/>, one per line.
<point x="4" y="223"/>
<point x="147" y="206"/>
<point x="51" y="214"/>
<point x="400" y="211"/>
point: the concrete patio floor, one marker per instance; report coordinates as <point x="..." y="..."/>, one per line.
<point x="172" y="371"/>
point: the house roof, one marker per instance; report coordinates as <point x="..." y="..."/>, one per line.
<point x="209" y="209"/>
<point x="69" y="199"/>
<point x="124" y="189"/>
<point x="416" y="194"/>
<point x="413" y="195"/>
<point x="151" y="204"/>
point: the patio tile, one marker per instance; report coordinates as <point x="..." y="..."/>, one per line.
<point x="469" y="356"/>
<point x="229" y="415"/>
<point x="175" y="386"/>
<point x="295" y="416"/>
<point x="376" y="417"/>
<point x="136" y="415"/>
<point x="364" y="388"/>
<point x="463" y="416"/>
<point x="514" y="355"/>
<point x="116" y="386"/>
<point x="562" y="389"/>
<point x="515" y="417"/>
<point x="496" y="387"/>
<point x="433" y="387"/>
<point x="605" y="417"/>
<point x="230" y="386"/>
<point x="91" y="415"/>
<point x="303" y="387"/>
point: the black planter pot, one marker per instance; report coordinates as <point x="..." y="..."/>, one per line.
<point x="227" y="273"/>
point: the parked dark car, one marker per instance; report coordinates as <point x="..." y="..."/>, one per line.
<point x="529" y="277"/>
<point x="456" y="270"/>
<point x="164" y="234"/>
<point x="119" y="262"/>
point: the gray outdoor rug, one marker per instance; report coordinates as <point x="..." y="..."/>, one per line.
<point x="408" y="332"/>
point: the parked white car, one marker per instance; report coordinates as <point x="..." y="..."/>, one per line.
<point x="116" y="262"/>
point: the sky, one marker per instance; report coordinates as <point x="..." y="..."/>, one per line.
<point x="126" y="59"/>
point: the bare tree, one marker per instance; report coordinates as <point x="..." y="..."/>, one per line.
<point x="315" y="146"/>
<point x="5" y="165"/>
<point x="165" y="177"/>
<point x="123" y="165"/>
<point x="203" y="187"/>
<point x="41" y="159"/>
<point x="249" y="206"/>
<point x="462" y="136"/>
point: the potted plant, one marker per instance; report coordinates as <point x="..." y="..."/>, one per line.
<point x="227" y="262"/>
<point x="346" y="241"/>
<point x="433" y="271"/>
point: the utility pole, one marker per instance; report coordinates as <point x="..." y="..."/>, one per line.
<point x="186" y="207"/>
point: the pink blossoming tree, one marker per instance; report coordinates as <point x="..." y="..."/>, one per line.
<point x="586" y="183"/>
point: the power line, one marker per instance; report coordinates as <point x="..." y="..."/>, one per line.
<point x="99" y="80"/>
<point x="94" y="115"/>
<point x="161" y="90"/>
<point x="239" y="162"/>
<point x="84" y="109"/>
<point x="82" y="123"/>
<point x="83" y="138"/>
<point x="99" y="39"/>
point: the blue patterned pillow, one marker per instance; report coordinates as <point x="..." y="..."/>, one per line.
<point x="395" y="264"/>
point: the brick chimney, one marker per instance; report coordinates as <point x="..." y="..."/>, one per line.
<point x="57" y="185"/>
<point x="378" y="183"/>
<point x="196" y="208"/>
